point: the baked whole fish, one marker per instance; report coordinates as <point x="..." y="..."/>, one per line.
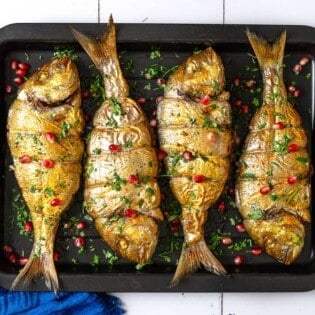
<point x="44" y="127"/>
<point x="121" y="190"/>
<point x="194" y="131"/>
<point x="273" y="186"/>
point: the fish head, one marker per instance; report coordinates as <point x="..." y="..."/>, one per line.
<point x="201" y="74"/>
<point x="53" y="83"/>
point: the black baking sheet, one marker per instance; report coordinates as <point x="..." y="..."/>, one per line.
<point x="80" y="270"/>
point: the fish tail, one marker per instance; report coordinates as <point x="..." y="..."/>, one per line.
<point x="192" y="257"/>
<point x="103" y="52"/>
<point x="266" y="53"/>
<point x="36" y="266"/>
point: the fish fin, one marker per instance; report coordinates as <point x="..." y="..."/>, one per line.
<point x="192" y="257"/>
<point x="266" y="53"/>
<point x="36" y="266"/>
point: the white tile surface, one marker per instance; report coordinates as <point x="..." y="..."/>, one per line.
<point x="270" y="12"/>
<point x="163" y="11"/>
<point x="14" y="11"/>
<point x="171" y="303"/>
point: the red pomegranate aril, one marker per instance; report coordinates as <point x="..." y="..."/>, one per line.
<point x="51" y="137"/>
<point x="25" y="159"/>
<point x="56" y="202"/>
<point x="250" y="83"/>
<point x="153" y="122"/>
<point x="81" y="225"/>
<point x="18" y="80"/>
<point x="141" y="100"/>
<point x="293" y="147"/>
<point x="238" y="260"/>
<point x="14" y="64"/>
<point x="297" y="93"/>
<point x="187" y="155"/>
<point x="278" y="125"/>
<point x="236" y="81"/>
<point x="292" y="180"/>
<point x="226" y="240"/>
<point x="67" y="225"/>
<point x="23" y="261"/>
<point x="304" y="60"/>
<point x="48" y="163"/>
<point x="133" y="179"/>
<point x="160" y="81"/>
<point x="162" y="196"/>
<point x="231" y="191"/>
<point x="154" y="112"/>
<point x="291" y="88"/>
<point x="28" y="226"/>
<point x="21" y="72"/>
<point x="158" y="99"/>
<point x="221" y="206"/>
<point x="114" y="148"/>
<point x="265" y="190"/>
<point x="244" y="109"/>
<point x="205" y="100"/>
<point x="56" y="256"/>
<point x="7" y="249"/>
<point x="240" y="227"/>
<point x="237" y="102"/>
<point x="297" y="68"/>
<point x="161" y="154"/>
<point x="256" y="251"/>
<point x="174" y="228"/>
<point x="199" y="178"/>
<point x="79" y="241"/>
<point x="9" y="89"/>
<point x="130" y="213"/>
<point x="85" y="94"/>
<point x="13" y="257"/>
<point x="24" y="66"/>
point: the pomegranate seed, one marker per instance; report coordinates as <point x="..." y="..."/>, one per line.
<point x="14" y="64"/>
<point x="19" y="80"/>
<point x="205" y="100"/>
<point x="211" y="137"/>
<point x="55" y="202"/>
<point x="85" y="94"/>
<point x="23" y="261"/>
<point x="162" y="196"/>
<point x="238" y="260"/>
<point x="297" y="93"/>
<point x="244" y="109"/>
<point x="158" y="99"/>
<point x="231" y="191"/>
<point x="291" y="88"/>
<point x="237" y="103"/>
<point x="293" y="147"/>
<point x="297" y="68"/>
<point x="24" y="66"/>
<point x="114" y="148"/>
<point x="278" y="125"/>
<point x="161" y="154"/>
<point x="256" y="251"/>
<point x="79" y="241"/>
<point x="56" y="256"/>
<point x="160" y="81"/>
<point x="7" y="249"/>
<point x="187" y="155"/>
<point x="13" y="257"/>
<point x="240" y="227"/>
<point x="265" y="190"/>
<point x="67" y="225"/>
<point x="25" y="159"/>
<point x="236" y="81"/>
<point x="221" y="206"/>
<point x="133" y="179"/>
<point x="48" y="163"/>
<point x="154" y="112"/>
<point x="304" y="60"/>
<point x="199" y="178"/>
<point x="226" y="240"/>
<point x="292" y="180"/>
<point x="21" y="72"/>
<point x="9" y="89"/>
<point x="174" y="228"/>
<point x="130" y="213"/>
<point x="153" y="122"/>
<point x="50" y="136"/>
<point x="28" y="226"/>
<point x="250" y="83"/>
<point x="141" y="100"/>
<point x="175" y="221"/>
<point x="81" y="225"/>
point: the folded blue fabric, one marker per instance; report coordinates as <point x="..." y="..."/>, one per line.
<point x="65" y="303"/>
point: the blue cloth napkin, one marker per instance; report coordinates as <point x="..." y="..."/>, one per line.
<point x="65" y="303"/>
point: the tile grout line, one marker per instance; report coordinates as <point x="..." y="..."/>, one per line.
<point x="98" y="11"/>
<point x="223" y="3"/>
<point x="221" y="297"/>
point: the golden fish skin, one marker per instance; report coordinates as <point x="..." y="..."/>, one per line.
<point x="44" y="127"/>
<point x="195" y="116"/>
<point x="121" y="190"/>
<point x="273" y="185"/>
